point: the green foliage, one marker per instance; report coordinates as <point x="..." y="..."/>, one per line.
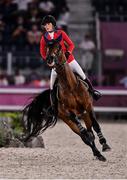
<point x="2" y="139"/>
<point x="14" y="121"/>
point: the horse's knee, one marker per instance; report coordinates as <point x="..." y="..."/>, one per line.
<point x="87" y="138"/>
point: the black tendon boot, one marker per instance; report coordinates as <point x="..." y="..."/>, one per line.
<point x="95" y="94"/>
<point x="53" y="102"/>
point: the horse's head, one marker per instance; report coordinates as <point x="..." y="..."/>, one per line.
<point x="55" y="54"/>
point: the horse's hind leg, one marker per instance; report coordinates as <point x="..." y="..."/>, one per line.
<point x="97" y="129"/>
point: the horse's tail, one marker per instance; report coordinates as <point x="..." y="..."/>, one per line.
<point x="36" y="116"/>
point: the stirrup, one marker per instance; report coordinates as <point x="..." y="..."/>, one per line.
<point x="96" y="95"/>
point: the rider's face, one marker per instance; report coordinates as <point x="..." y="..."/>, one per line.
<point x="48" y="27"/>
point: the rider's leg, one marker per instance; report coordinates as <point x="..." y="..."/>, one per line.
<point x="53" y="92"/>
<point x="76" y="68"/>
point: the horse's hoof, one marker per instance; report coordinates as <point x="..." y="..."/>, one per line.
<point x="101" y="158"/>
<point x="106" y="147"/>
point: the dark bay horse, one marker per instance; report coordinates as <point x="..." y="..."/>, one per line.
<point x="74" y="104"/>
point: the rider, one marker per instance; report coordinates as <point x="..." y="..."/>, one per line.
<point x="51" y="33"/>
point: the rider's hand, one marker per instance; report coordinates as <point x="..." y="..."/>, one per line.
<point x="67" y="54"/>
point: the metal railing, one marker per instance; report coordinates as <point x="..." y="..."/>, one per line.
<point x="33" y="91"/>
<point x="9" y="60"/>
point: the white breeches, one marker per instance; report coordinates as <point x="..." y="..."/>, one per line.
<point x="75" y="67"/>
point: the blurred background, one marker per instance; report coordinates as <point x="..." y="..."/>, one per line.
<point x="97" y="27"/>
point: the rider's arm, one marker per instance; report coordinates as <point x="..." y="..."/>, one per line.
<point x="69" y="42"/>
<point x="43" y="48"/>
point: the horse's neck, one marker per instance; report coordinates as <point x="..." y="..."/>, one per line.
<point x="70" y="76"/>
<point x="67" y="78"/>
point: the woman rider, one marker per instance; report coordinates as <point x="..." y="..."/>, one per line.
<point x="51" y="33"/>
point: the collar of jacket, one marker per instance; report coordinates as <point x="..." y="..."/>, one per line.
<point x="51" y="41"/>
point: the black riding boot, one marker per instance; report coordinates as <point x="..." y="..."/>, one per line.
<point x="53" y="102"/>
<point x="95" y="94"/>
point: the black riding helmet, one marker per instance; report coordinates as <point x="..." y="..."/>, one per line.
<point x="48" y="19"/>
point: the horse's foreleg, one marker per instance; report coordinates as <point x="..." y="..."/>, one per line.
<point x="85" y="137"/>
<point x="91" y="143"/>
<point x="97" y="129"/>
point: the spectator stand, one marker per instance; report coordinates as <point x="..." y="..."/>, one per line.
<point x="20" y="33"/>
<point x="111" y="40"/>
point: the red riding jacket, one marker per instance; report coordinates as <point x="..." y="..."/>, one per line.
<point x="65" y="42"/>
